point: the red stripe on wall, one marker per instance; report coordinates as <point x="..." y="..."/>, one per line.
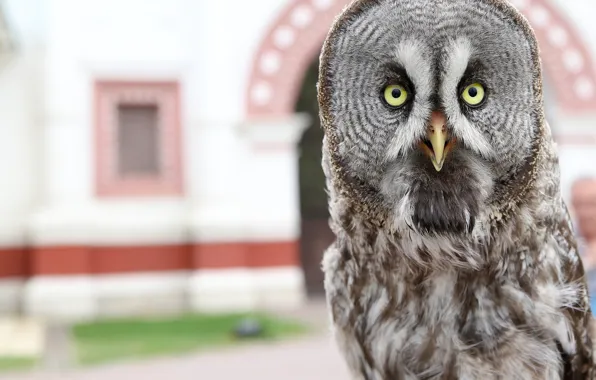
<point x="273" y="255"/>
<point x="60" y="260"/>
<point x="106" y="260"/>
<point x="253" y="255"/>
<point x="219" y="255"/>
<point x="14" y="262"/>
<point x="80" y="260"/>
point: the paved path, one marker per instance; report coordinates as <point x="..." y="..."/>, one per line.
<point x="313" y="358"/>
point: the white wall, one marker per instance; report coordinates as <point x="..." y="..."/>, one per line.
<point x="208" y="46"/>
<point x="233" y="191"/>
<point x="20" y="120"/>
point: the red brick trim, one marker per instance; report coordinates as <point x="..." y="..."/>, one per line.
<point x="253" y="255"/>
<point x="110" y="260"/>
<point x="14" y="262"/>
<point x="93" y="260"/>
<point x="66" y="260"/>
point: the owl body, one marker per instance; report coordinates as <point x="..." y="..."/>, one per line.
<point x="454" y="255"/>
<point x="432" y="332"/>
<point x="395" y="322"/>
<point x="518" y="317"/>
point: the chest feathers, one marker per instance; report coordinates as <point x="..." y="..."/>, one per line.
<point x="392" y="323"/>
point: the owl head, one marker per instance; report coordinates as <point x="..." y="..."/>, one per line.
<point x="432" y="109"/>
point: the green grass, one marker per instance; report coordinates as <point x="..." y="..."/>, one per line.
<point x="17" y="363"/>
<point x="116" y="340"/>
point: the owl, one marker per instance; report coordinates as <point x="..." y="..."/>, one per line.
<point x="454" y="255"/>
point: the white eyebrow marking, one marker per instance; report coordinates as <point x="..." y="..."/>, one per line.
<point x="460" y="52"/>
<point x="413" y="56"/>
<point x="458" y="58"/>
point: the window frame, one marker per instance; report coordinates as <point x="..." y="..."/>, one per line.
<point x="165" y="95"/>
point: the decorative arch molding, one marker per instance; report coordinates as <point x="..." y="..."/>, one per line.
<point x="295" y="39"/>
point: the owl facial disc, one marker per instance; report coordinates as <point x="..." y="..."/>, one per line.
<point x="438" y="142"/>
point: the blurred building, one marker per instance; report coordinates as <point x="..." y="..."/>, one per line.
<point x="164" y="155"/>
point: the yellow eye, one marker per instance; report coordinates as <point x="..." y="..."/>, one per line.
<point x="396" y="95"/>
<point x="473" y="94"/>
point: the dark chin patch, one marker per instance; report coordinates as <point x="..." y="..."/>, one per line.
<point x="446" y="202"/>
<point x="444" y="212"/>
<point x="442" y="203"/>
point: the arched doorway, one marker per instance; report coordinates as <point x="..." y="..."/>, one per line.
<point x="316" y="235"/>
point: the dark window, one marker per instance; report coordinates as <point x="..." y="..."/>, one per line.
<point x="138" y="140"/>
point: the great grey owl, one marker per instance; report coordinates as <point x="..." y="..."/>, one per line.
<point x="454" y="255"/>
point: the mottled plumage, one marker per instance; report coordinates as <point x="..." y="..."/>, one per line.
<point x="469" y="271"/>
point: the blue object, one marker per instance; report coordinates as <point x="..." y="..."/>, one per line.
<point x="248" y="328"/>
<point x="591" y="278"/>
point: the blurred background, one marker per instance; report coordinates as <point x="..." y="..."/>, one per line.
<point x="162" y="205"/>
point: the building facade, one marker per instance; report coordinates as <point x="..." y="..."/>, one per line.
<point x="151" y="150"/>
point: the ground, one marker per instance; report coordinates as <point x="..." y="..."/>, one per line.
<point x="313" y="358"/>
<point x="307" y="358"/>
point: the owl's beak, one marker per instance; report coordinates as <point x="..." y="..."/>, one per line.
<point x="438" y="142"/>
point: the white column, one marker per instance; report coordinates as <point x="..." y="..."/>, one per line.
<point x="266" y="181"/>
<point x="272" y="190"/>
